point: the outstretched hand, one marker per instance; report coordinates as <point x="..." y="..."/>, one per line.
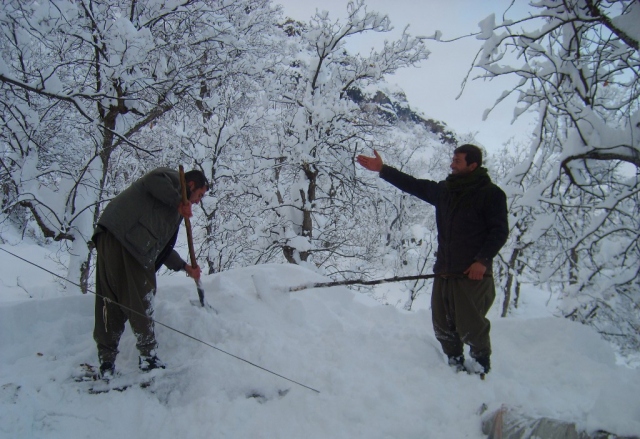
<point x="371" y="163"/>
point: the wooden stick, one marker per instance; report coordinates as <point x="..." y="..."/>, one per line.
<point x="187" y="221"/>
<point x="371" y="282"/>
<point x="187" y="224"/>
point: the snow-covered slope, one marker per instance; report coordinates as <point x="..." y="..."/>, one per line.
<point x="379" y="370"/>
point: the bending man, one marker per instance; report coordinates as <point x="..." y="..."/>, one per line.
<point x="134" y="237"/>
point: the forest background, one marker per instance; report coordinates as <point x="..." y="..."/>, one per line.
<point x="93" y="94"/>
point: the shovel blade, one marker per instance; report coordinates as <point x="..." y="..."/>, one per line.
<point x="200" y="292"/>
<point x="201" y="295"/>
<point x="206" y="306"/>
<point x="201" y="302"/>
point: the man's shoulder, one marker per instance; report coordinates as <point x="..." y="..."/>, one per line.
<point x="489" y="185"/>
<point x="497" y="189"/>
<point x="493" y="195"/>
<point x="163" y="170"/>
<point x="161" y="173"/>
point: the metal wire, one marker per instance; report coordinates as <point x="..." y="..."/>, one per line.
<point x="168" y="327"/>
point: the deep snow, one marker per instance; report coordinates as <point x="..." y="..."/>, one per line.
<point x="379" y="371"/>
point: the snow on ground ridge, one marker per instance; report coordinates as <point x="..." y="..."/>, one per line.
<point x="379" y="370"/>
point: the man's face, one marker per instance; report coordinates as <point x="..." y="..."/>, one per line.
<point x="459" y="165"/>
<point x="196" y="194"/>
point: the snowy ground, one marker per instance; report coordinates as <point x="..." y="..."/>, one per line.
<point x="379" y="370"/>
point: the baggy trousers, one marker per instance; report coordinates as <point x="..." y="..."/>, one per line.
<point x="459" y="306"/>
<point x="124" y="291"/>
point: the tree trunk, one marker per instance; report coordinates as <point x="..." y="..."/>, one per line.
<point x="307" y="206"/>
<point x="513" y="270"/>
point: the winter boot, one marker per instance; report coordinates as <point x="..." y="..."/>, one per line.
<point x="147" y="364"/>
<point x="457" y="363"/>
<point x="107" y="370"/>
<point x="485" y="364"/>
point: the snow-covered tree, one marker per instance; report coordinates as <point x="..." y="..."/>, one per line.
<point x="321" y="129"/>
<point x="223" y="130"/>
<point x="576" y="202"/>
<point x="81" y="82"/>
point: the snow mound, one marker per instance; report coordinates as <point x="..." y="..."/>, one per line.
<point x="252" y="370"/>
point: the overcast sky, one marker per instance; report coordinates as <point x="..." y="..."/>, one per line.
<point x="432" y="87"/>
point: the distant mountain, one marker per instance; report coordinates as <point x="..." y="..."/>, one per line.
<point x="393" y="107"/>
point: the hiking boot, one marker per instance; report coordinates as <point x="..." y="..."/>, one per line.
<point x="485" y="364"/>
<point x="457" y="363"/>
<point x="147" y="364"/>
<point x="107" y="370"/>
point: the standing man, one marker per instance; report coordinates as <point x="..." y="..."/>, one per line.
<point x="471" y="215"/>
<point x="135" y="235"/>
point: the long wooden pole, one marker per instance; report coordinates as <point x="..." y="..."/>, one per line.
<point x="369" y="282"/>
<point x="187" y="224"/>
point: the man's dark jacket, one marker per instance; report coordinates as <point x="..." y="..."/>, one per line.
<point x="471" y="215"/>
<point x="144" y="218"/>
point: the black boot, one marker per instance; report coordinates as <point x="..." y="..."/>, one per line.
<point x="457" y="363"/>
<point x="107" y="370"/>
<point x="485" y="364"/>
<point x="149" y="363"/>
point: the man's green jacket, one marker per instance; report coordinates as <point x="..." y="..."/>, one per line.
<point x="144" y="218"/>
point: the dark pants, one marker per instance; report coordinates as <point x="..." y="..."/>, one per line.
<point x="124" y="291"/>
<point x="459" y="307"/>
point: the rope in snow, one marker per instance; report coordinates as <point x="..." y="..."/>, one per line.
<point x="167" y="326"/>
